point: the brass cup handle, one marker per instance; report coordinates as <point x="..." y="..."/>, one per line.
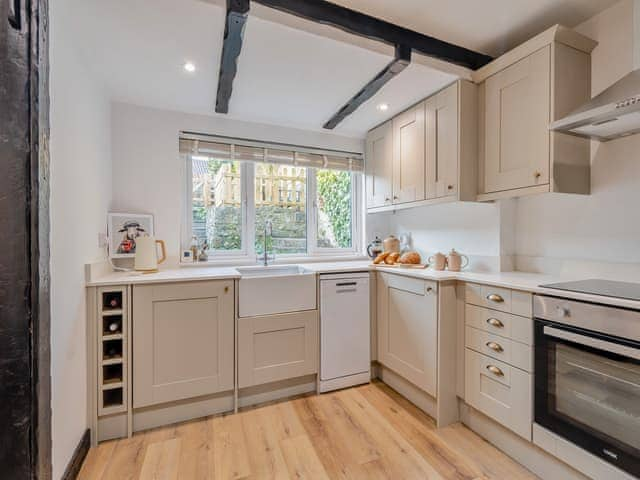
<point x="537" y="174"/>
<point x="494" y="322"/>
<point x="494" y="297"/>
<point x="496" y="347"/>
<point x="495" y="370"/>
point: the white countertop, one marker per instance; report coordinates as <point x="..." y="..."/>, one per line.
<point x="525" y="281"/>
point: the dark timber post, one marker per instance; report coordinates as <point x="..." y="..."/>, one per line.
<point x="25" y="415"/>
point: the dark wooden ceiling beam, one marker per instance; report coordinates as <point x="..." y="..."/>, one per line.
<point x="401" y="60"/>
<point x="374" y="28"/>
<point x="237" y="13"/>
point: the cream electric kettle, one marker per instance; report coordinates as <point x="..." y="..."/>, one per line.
<point x="147" y="254"/>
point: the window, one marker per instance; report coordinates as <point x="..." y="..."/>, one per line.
<point x="334" y="201"/>
<point x="281" y="197"/>
<point x="236" y="188"/>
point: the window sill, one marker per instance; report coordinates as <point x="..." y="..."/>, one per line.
<point x="244" y="261"/>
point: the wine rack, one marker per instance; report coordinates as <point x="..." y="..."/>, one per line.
<point x="112" y="350"/>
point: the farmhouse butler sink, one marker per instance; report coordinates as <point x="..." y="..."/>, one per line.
<point x="275" y="289"/>
<point x="272" y="271"/>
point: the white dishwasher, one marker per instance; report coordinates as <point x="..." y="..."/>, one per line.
<point x="345" y="339"/>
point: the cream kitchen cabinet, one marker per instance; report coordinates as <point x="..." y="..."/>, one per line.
<point x="409" y="156"/>
<point x="408" y="329"/>
<point x="427" y="154"/>
<point x="183" y="336"/>
<point x="520" y="94"/>
<point x="277" y="347"/>
<point x="378" y="165"/>
<point x="451" y="143"/>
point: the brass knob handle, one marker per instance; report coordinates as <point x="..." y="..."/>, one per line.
<point x="494" y="322"/>
<point x="449" y="187"/>
<point x="537" y="174"/>
<point x="395" y="198"/>
<point x="495" y="370"/>
<point x="494" y="297"/>
<point x="496" y="347"/>
<point x="387" y="199"/>
<point x="226" y="289"/>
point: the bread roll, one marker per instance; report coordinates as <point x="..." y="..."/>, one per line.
<point x="380" y="258"/>
<point x="410" y="258"/>
<point x="392" y="258"/>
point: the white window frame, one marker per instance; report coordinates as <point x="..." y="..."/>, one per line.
<point x="247" y="252"/>
<point x="312" y="218"/>
<point x="187" y="222"/>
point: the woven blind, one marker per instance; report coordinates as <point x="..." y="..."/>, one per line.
<point x="253" y="151"/>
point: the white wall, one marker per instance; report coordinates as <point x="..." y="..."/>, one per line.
<point x="148" y="176"/>
<point x="544" y="230"/>
<point x="604" y="226"/>
<point x="470" y="228"/>
<point x="80" y="197"/>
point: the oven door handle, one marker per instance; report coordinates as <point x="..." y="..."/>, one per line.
<point x="593" y="342"/>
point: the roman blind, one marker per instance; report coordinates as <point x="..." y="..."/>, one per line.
<point x="225" y="148"/>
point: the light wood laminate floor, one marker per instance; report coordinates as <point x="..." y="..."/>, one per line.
<point x="368" y="432"/>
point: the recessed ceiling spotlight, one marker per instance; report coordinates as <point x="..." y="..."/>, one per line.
<point x="383" y="107"/>
<point x="189" y="67"/>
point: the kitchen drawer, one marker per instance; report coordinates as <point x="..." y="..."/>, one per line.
<point x="502" y="299"/>
<point x="500" y="391"/>
<point x="504" y="324"/>
<point x="514" y="353"/>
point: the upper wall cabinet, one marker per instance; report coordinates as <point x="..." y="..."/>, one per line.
<point x="427" y="154"/>
<point x="409" y="155"/>
<point x="520" y="94"/>
<point x="379" y="151"/>
<point x="451" y="143"/>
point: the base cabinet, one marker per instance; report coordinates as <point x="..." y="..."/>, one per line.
<point x="277" y="347"/>
<point x="408" y="329"/>
<point x="500" y="391"/>
<point x="183" y="341"/>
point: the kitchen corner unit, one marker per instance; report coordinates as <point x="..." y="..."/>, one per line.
<point x="425" y="155"/>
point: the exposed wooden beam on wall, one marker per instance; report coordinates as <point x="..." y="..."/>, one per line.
<point x="373" y="28"/>
<point x="237" y="13"/>
<point x="401" y="61"/>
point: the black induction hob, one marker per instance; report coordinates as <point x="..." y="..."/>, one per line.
<point x="606" y="288"/>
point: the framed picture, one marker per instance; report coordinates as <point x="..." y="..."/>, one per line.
<point x="123" y="229"/>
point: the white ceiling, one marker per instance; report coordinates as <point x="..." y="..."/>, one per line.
<point x="287" y="76"/>
<point x="488" y="26"/>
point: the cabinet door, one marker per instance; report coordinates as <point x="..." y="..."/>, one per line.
<point x="500" y="391"/>
<point x="517" y="115"/>
<point x="409" y="155"/>
<point x="441" y="112"/>
<point x="378" y="165"/>
<point x="277" y="347"/>
<point x="408" y="329"/>
<point x="182" y="341"/>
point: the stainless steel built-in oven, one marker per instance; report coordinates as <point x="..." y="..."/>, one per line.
<point x="587" y="377"/>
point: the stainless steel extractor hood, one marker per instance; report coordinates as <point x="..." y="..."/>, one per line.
<point x="615" y="112"/>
